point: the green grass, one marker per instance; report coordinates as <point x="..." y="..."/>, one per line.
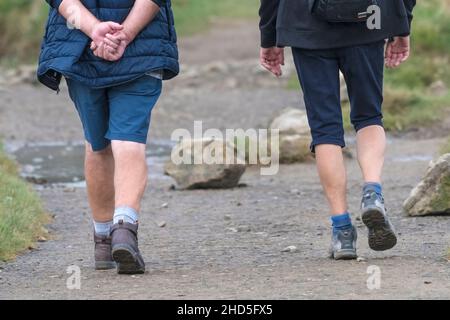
<point x="446" y="147"/>
<point x="21" y="214"/>
<point x="192" y="16"/>
<point x="408" y="104"/>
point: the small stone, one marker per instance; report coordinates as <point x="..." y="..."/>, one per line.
<point x="290" y="249"/>
<point x="238" y="204"/>
<point x="360" y="259"/>
<point x="295" y="191"/>
<point x="165" y="205"/>
<point x="244" y="229"/>
<point x="42" y="239"/>
<point x="234" y="230"/>
<point x="427" y="282"/>
<point x="162" y="224"/>
<point x="227" y="217"/>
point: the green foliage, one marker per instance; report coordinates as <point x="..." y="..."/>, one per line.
<point x="21" y="213"/>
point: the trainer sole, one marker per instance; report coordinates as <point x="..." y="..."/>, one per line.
<point x="381" y="235"/>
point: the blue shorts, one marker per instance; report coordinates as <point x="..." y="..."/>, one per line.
<point x="318" y="71"/>
<point x="120" y="112"/>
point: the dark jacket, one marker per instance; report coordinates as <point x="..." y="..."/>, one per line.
<point x="67" y="51"/>
<point x="290" y="23"/>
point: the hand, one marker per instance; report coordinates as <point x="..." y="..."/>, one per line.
<point x="272" y="59"/>
<point x="101" y="29"/>
<point x="397" y="51"/>
<point x="113" y="46"/>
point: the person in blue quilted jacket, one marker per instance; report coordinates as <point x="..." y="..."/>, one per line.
<point x="114" y="55"/>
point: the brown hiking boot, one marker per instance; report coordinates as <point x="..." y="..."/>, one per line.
<point x="125" y="249"/>
<point x="102" y="253"/>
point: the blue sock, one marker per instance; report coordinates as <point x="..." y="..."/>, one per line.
<point x="341" y="222"/>
<point x="126" y="214"/>
<point x="373" y="186"/>
<point x="102" y="228"/>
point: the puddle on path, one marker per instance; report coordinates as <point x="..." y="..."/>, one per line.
<point x="62" y="163"/>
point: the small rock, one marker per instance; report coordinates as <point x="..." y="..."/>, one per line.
<point x="165" y="205"/>
<point x="239" y="204"/>
<point x="162" y="224"/>
<point x="227" y="217"/>
<point x="234" y="230"/>
<point x="244" y="229"/>
<point x="42" y="239"/>
<point x="290" y="249"/>
<point x="438" y="88"/>
<point x="427" y="282"/>
<point x="360" y="259"/>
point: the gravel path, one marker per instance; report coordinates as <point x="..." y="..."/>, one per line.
<point x="225" y="244"/>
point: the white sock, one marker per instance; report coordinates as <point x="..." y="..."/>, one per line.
<point x="126" y="214"/>
<point x="102" y="228"/>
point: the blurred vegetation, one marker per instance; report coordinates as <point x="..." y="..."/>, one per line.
<point x="408" y="102"/>
<point x="22" y="22"/>
<point x="446" y="147"/>
<point x="21" y="214"/>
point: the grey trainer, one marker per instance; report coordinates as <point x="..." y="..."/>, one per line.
<point x="381" y="232"/>
<point x="125" y="250"/>
<point x="343" y="244"/>
<point x="102" y="253"/>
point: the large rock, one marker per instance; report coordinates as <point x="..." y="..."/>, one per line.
<point x="212" y="171"/>
<point x="291" y="121"/>
<point x="295" y="136"/>
<point x="295" y="148"/>
<point x="432" y="194"/>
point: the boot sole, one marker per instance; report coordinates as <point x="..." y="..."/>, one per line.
<point x="105" y="265"/>
<point x="345" y="255"/>
<point x="381" y="235"/>
<point x="128" y="260"/>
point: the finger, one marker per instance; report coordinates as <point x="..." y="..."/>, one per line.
<point x="93" y="46"/>
<point x="110" y="50"/>
<point x="269" y="68"/>
<point x="111" y="44"/>
<point x="117" y="37"/>
<point x="114" y="25"/>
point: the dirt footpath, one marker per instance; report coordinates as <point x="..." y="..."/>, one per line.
<point x="225" y="244"/>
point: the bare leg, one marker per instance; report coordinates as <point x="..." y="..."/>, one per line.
<point x="130" y="177"/>
<point x="99" y="171"/>
<point x="332" y="172"/>
<point x="371" y="145"/>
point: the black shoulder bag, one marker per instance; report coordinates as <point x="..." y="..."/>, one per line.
<point x="341" y="11"/>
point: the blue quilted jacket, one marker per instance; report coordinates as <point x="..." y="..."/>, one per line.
<point x="66" y="52"/>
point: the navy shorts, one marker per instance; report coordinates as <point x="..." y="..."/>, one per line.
<point x="318" y="71"/>
<point x="119" y="112"/>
